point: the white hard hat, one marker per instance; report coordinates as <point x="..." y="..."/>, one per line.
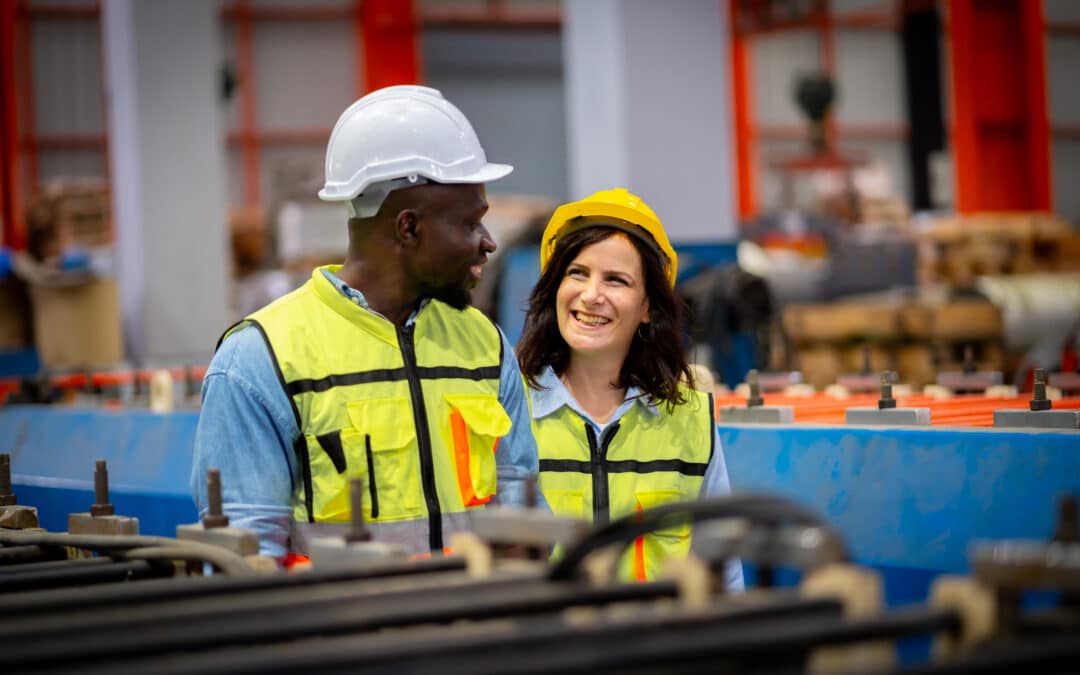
<point x="400" y="136"/>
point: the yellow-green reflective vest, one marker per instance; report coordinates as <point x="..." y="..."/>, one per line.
<point x="413" y="411"/>
<point x="643" y="460"/>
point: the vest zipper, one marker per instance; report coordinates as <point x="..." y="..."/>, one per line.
<point x="598" y="458"/>
<point x="373" y="490"/>
<point x="423" y="438"/>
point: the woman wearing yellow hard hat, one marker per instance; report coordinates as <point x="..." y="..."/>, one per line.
<point x="617" y="427"/>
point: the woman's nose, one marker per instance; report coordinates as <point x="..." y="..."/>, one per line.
<point x="591" y="291"/>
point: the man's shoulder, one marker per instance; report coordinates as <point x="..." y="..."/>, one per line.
<point x="243" y="349"/>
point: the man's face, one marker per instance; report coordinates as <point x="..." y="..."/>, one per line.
<point x="454" y="244"/>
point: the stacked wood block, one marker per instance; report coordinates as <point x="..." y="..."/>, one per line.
<point x="918" y="339"/>
<point x="958" y="249"/>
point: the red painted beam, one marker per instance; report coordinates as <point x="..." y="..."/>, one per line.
<point x="281" y="137"/>
<point x="285" y="13"/>
<point x="498" y="17"/>
<point x="245" y="71"/>
<point x="855" y="130"/>
<point x="742" y="109"/>
<point x="87" y="141"/>
<point x="1033" y="29"/>
<point x="11" y="208"/>
<point x="1063" y="28"/>
<point x="1068" y="131"/>
<point x="387" y="45"/>
<point x="83" y="12"/>
<point x="959" y="29"/>
<point x="1001" y="131"/>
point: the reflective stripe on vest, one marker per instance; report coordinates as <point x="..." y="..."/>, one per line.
<point x="414" y="411"/>
<point x="643" y="460"/>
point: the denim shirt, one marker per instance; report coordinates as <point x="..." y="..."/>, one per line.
<point x="555" y="395"/>
<point x="246" y="429"/>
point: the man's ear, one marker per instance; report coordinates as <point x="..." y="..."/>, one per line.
<point x="407" y="227"/>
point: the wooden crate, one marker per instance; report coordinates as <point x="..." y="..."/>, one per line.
<point x="957" y="250"/>
<point x="862" y="358"/>
<point x="841" y="321"/>
<point x="819" y="364"/>
<point x="986" y="355"/>
<point x="953" y="321"/>
<point x="915" y="365"/>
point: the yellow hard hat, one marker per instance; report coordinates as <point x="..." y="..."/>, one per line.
<point x="617" y="208"/>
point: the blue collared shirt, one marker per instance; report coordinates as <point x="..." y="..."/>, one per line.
<point x="246" y="429"/>
<point x="555" y="395"/>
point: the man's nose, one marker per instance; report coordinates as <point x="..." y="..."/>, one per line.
<point x="487" y="244"/>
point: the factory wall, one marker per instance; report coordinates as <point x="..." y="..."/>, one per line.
<point x="512" y="83"/>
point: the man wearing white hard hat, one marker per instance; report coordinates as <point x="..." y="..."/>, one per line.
<point x="377" y="369"/>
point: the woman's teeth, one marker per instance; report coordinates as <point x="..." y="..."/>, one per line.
<point x="590" y="320"/>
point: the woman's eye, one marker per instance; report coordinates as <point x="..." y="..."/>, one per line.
<point x="576" y="273"/>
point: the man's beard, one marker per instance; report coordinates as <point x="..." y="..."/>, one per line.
<point x="458" y="296"/>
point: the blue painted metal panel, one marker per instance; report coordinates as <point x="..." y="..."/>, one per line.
<point x="912" y="499"/>
<point x="908" y="500"/>
<point x="53" y="453"/>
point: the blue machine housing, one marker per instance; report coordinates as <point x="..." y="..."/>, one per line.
<point x="53" y="452"/>
<point x="909" y="501"/>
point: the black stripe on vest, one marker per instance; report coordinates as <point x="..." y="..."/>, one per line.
<point x="626" y="466"/>
<point x="390" y="375"/>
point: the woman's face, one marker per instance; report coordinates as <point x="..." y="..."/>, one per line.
<point x="601" y="299"/>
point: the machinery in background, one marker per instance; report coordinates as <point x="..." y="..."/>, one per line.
<point x="364" y="607"/>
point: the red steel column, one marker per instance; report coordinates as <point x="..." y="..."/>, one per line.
<point x="244" y="26"/>
<point x="742" y="106"/>
<point x="1033" y="26"/>
<point x="388" y="45"/>
<point x="1000" y="128"/>
<point x="11" y="205"/>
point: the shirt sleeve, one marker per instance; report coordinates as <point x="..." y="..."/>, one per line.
<point x="246" y="430"/>
<point x="716" y="484"/>
<point x="516" y="457"/>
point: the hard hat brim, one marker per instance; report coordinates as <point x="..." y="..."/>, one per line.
<point x="486" y="174"/>
<point x="489" y="172"/>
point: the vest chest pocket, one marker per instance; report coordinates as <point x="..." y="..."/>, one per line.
<point x="381" y="444"/>
<point x="475" y="425"/>
<point x="647" y="499"/>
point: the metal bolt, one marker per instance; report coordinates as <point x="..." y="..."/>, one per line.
<point x="886" y="400"/>
<point x="214" y="517"/>
<point x="101" y="505"/>
<point x="755" y="399"/>
<point x="358" y="531"/>
<point x="1038" y="396"/>
<point x="969" y="360"/>
<point x="6" y="497"/>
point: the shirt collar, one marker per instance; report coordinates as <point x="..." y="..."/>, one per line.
<point x="555" y="395"/>
<point x="358" y="298"/>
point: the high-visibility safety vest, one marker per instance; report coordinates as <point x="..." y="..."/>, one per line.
<point x="641" y="461"/>
<point x="413" y="411"/>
